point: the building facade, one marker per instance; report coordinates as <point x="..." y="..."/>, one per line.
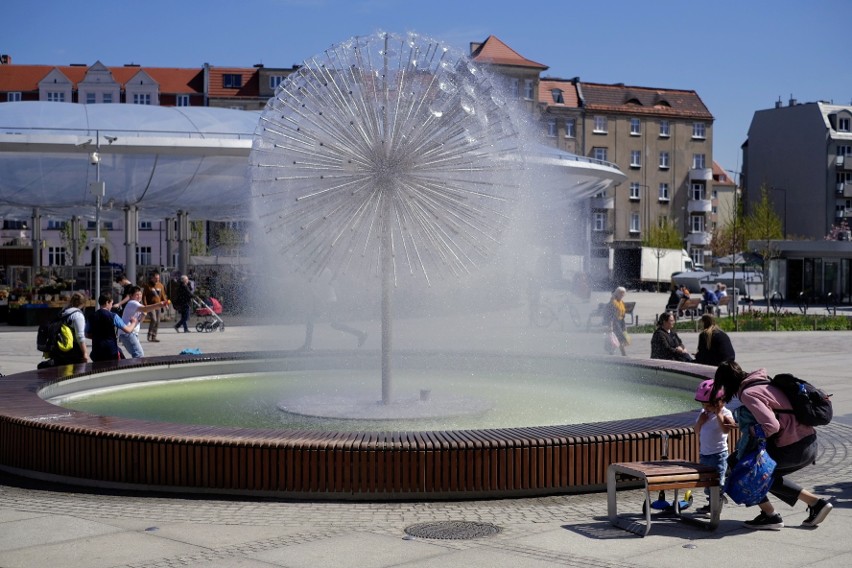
<point x="802" y="155"/>
<point x="661" y="138"/>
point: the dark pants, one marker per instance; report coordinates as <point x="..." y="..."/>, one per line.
<point x="788" y="459"/>
<point x="184" y="317"/>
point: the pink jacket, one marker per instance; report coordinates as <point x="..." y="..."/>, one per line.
<point x="762" y="400"/>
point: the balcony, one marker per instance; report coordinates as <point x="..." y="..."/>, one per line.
<point x="705" y="174"/>
<point x="700" y="206"/>
<point x="839" y="161"/>
<point x="699" y="238"/>
<point x="602" y="203"/>
<point x="841" y="186"/>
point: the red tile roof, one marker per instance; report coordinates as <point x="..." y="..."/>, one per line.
<point x="569" y="93"/>
<point x="170" y="79"/>
<point x="643" y="100"/>
<point x="495" y="52"/>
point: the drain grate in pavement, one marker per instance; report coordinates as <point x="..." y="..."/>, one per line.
<point x="452" y="530"/>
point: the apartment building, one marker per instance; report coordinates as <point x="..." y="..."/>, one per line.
<point x="661" y="138"/>
<point x="802" y="155"/>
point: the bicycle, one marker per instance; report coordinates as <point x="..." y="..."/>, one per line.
<point x="831" y="303"/>
<point x="547" y="313"/>
<point x="776" y="301"/>
<point x="803" y="303"/>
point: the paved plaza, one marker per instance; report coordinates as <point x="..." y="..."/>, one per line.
<point x="47" y="525"/>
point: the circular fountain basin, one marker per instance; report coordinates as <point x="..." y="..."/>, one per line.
<point x="400" y="460"/>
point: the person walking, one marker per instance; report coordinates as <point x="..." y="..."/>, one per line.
<point x="101" y="329"/>
<point x="790" y="443"/>
<point x="130" y="340"/>
<point x="183" y="302"/>
<point x="614" y="318"/>
<point x="155" y="293"/>
<point x="714" y="345"/>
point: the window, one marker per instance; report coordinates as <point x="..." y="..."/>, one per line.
<point x="107" y="98"/>
<point x="843" y="125"/>
<point x="697" y="191"/>
<point x="635" y="159"/>
<point x="600" y="124"/>
<point x="143" y="256"/>
<point x="698" y="162"/>
<point x="664" y="192"/>
<point x="104" y="225"/>
<point x="698" y="130"/>
<point x="557" y="96"/>
<point x="635" y="188"/>
<point x="275" y="80"/>
<point x="145" y="226"/>
<point x="844" y="150"/>
<point x="599" y="222"/>
<point x="90" y="98"/>
<point x="634" y="223"/>
<point x="599" y="154"/>
<point x="232" y="80"/>
<point x="55" y="225"/>
<point x="697" y="255"/>
<point x="13" y="97"/>
<point x="570" y="128"/>
<point x="56" y="256"/>
<point x="664" y="129"/>
<point x="515" y="88"/>
<point x="141" y="98"/>
<point x="696" y="223"/>
<point x="182" y="100"/>
<point x="14" y="225"/>
<point x="551" y="128"/>
<point x="529" y="91"/>
<point x="635" y="127"/>
<point x="55" y="97"/>
<point x="664" y="160"/>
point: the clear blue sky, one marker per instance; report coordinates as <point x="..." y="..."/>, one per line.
<point x="740" y="56"/>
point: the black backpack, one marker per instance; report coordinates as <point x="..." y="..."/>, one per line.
<point x="51" y="335"/>
<point x="811" y="405"/>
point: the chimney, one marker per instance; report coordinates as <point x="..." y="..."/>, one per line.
<point x="5" y="59"/>
<point x="778" y="103"/>
<point x="792" y="101"/>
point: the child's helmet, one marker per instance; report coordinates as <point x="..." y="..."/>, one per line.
<point x="704" y="392"/>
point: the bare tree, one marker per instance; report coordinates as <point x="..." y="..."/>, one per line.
<point x="763" y="228"/>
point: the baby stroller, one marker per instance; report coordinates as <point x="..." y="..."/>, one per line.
<point x="209" y="313"/>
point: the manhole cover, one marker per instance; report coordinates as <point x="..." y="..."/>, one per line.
<point x="455" y="530"/>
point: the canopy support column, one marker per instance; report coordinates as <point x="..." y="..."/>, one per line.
<point x="36" y="240"/>
<point x="131" y="239"/>
<point x="183" y="241"/>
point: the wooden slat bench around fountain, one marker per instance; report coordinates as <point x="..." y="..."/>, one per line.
<point x="38" y="439"/>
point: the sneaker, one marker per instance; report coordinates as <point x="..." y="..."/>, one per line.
<point x="817" y="513"/>
<point x="765" y="522"/>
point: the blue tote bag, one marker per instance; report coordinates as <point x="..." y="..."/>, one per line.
<point x="749" y="480"/>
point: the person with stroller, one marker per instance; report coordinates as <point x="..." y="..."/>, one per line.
<point x="101" y="330"/>
<point x="183" y="303"/>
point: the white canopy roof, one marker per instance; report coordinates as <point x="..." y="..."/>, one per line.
<point x="160" y="159"/>
<point x="164" y="159"/>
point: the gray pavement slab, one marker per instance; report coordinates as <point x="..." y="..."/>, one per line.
<point x="57" y="526"/>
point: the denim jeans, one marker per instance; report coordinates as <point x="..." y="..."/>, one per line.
<point x="720" y="462"/>
<point x="131" y="343"/>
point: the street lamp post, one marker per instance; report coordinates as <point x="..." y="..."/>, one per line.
<point x="98" y="189"/>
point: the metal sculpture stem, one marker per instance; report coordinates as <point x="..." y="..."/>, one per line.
<point x="387" y="258"/>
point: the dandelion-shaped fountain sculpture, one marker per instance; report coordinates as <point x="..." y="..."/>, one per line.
<point x="386" y="155"/>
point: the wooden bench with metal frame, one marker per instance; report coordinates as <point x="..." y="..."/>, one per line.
<point x="658" y="476"/>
